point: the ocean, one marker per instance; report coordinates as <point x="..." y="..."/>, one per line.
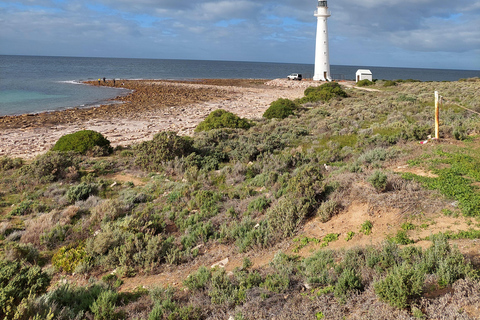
<point x="30" y="84"/>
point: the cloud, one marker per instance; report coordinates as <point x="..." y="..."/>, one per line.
<point x="387" y="32"/>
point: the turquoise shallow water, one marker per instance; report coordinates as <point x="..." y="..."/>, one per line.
<point x="36" y="84"/>
<point x="16" y="96"/>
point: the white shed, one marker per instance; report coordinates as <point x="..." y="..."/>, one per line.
<point x="364" y="74"/>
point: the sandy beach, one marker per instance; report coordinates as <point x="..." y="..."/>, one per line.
<point x="152" y="107"/>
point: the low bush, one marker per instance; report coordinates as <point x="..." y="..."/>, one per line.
<point x="23" y="208"/>
<point x="82" y="142"/>
<point x="81" y="191"/>
<point x="327" y="210"/>
<point x="348" y="281"/>
<point x="165" y="146"/>
<point x="402" y="238"/>
<point x="7" y="163"/>
<point x="104" y="307"/>
<point x="365" y="83"/>
<point x="316" y="268"/>
<point x="18" y="281"/>
<point x="389" y="83"/>
<point x="325" y="93"/>
<point x="280" y="109"/>
<point x="378" y="180"/>
<point x="53" y="166"/>
<point x="222" y="119"/>
<point x="67" y="259"/>
<point x="403" y="284"/>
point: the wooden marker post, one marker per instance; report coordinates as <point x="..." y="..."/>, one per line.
<point x="437" y="116"/>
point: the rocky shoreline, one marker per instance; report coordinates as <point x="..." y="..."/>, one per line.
<point x="153" y="106"/>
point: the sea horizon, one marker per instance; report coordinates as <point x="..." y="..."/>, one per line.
<point x="34" y="84"/>
<point x="239" y="61"/>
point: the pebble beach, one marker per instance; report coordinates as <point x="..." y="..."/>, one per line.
<point x="151" y="107"/>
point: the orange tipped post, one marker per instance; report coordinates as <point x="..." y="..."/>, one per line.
<point x="437" y="117"/>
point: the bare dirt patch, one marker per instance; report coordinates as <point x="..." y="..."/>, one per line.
<point x="417" y="171"/>
<point x="128" y="178"/>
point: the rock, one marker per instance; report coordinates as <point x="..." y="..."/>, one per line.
<point x="221" y="264"/>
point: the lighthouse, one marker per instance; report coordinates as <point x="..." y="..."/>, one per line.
<point x="322" y="61"/>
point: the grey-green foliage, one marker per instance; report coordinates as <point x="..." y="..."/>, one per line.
<point x="280" y="109"/>
<point x="198" y="280"/>
<point x="378" y="180"/>
<point x="18" y="281"/>
<point x="7" y="163"/>
<point x="302" y="196"/>
<point x="222" y="119"/>
<point x="401" y="285"/>
<point x="104" y="307"/>
<point x="163" y="147"/>
<point x="348" y="281"/>
<point x="53" y="166"/>
<point x="81" y="191"/>
<point x="316" y="268"/>
<point x="122" y="244"/>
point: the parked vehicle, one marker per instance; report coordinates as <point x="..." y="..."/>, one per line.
<point x="295" y="76"/>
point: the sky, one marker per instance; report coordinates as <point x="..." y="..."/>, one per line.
<point x="437" y="34"/>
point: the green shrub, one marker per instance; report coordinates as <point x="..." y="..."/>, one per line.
<point x="276" y="283"/>
<point x="81" y="191"/>
<point x="303" y="194"/>
<point x="364" y="83"/>
<point x="53" y="166"/>
<point x="67" y="259"/>
<point x="82" y="142"/>
<point x="23" y="208"/>
<point x="317" y="268"/>
<point x="222" y="290"/>
<point x="51" y="238"/>
<point x="408" y="226"/>
<point x="222" y="119"/>
<point x="104" y="307"/>
<point x="18" y="281"/>
<point x="389" y="83"/>
<point x="280" y="109"/>
<point x="378" y="180"/>
<point x="259" y="204"/>
<point x="324" y="93"/>
<point x="327" y="210"/>
<point x="7" y="163"/>
<point x="402" y="238"/>
<point x="247" y="234"/>
<point x="403" y="284"/>
<point x="348" y="281"/>
<point x="73" y="301"/>
<point x="165" y="146"/>
<point x="198" y="280"/>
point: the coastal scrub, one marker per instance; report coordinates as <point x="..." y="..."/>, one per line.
<point x="223" y="119"/>
<point x="280" y="109"/>
<point x="82" y="142"/>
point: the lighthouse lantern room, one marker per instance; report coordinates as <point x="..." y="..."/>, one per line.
<point x="322" y="61"/>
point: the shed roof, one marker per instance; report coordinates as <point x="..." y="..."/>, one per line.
<point x="364" y="71"/>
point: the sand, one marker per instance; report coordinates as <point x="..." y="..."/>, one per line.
<point x="152" y="107"/>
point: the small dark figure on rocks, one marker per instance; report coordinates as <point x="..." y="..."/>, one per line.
<point x="104" y="79"/>
<point x="114" y="82"/>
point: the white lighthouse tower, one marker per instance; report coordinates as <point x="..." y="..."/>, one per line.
<point x="322" y="61"/>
